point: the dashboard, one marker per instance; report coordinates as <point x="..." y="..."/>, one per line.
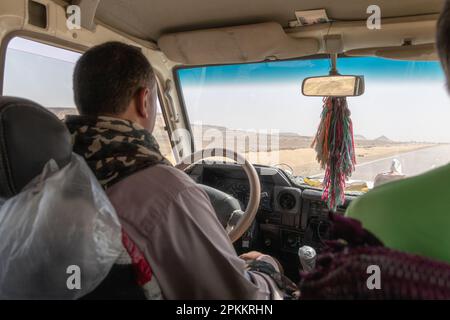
<point x="290" y="214"/>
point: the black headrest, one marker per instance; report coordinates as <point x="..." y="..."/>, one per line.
<point x="30" y="136"/>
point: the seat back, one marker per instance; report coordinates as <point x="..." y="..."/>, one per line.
<point x="29" y="137"/>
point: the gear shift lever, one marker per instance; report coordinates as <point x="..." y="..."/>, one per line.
<point x="307" y="256"/>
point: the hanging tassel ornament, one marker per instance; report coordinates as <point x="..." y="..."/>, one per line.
<point x="335" y="149"/>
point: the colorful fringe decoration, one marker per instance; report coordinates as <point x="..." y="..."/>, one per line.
<point x="335" y="149"/>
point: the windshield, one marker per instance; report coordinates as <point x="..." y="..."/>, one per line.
<point x="401" y="121"/>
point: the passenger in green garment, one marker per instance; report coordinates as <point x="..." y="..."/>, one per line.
<point x="413" y="215"/>
<point x="410" y="215"/>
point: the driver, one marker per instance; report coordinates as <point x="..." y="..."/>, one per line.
<point x="170" y="230"/>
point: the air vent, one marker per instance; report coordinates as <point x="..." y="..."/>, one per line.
<point x="37" y="14"/>
<point x="287" y="201"/>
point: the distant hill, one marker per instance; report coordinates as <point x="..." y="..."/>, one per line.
<point x="360" y="137"/>
<point x="383" y="139"/>
<point x="207" y="134"/>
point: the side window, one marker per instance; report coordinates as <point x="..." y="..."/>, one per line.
<point x="43" y="73"/>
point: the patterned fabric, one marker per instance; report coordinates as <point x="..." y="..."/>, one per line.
<point x="113" y="148"/>
<point x="342" y="272"/>
<point x="345" y="275"/>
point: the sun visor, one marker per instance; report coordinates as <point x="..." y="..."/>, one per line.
<point x="248" y="43"/>
<point x="423" y="52"/>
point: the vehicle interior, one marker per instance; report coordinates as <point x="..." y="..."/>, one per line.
<point x="230" y="77"/>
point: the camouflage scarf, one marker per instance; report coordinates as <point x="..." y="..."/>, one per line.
<point x="113" y="148"/>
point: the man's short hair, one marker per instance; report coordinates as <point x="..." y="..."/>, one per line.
<point x="443" y="40"/>
<point x="107" y="77"/>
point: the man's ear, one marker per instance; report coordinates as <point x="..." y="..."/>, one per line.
<point x="142" y="98"/>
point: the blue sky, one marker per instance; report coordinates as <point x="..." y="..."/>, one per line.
<point x="288" y="71"/>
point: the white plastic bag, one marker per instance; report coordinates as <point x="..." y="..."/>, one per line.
<point x="60" y="223"/>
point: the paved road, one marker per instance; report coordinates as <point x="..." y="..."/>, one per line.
<point x="413" y="163"/>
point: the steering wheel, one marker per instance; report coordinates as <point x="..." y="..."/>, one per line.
<point x="228" y="209"/>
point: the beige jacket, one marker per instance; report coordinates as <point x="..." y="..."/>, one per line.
<point x="172" y="222"/>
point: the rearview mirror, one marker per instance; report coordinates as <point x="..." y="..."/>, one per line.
<point x="333" y="86"/>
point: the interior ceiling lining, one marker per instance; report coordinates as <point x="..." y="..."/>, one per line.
<point x="151" y="19"/>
